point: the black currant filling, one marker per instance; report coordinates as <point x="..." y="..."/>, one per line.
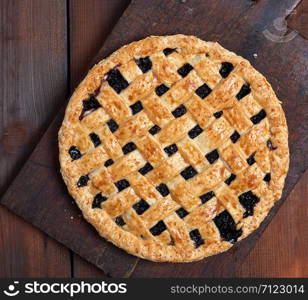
<point x="144" y="64"/>
<point x="230" y="179"/>
<point x="122" y="184"/>
<point x="203" y="91"/>
<point x="248" y="200"/>
<point x="95" y="139"/>
<point x="207" y="196"/>
<point x="212" y="156"/>
<point x="83" y="180"/>
<point x="141" y="206"/>
<point x="108" y="162"/>
<point x="74" y="152"/>
<point x="116" y="80"/>
<point x="258" y="117"/>
<point x="155" y="129"/>
<point x="270" y="145"/>
<point x="168" y="51"/>
<point x="136" y="107"/>
<point x="181" y="212"/>
<point x="244" y="91"/>
<point x="189" y="172"/>
<point x="227" y="227"/>
<point x="163" y="189"/>
<point x="161" y="89"/>
<point x="267" y="177"/>
<point x="218" y="114"/>
<point x="146" y="169"/>
<point x="185" y="69"/>
<point x="158" y="228"/>
<point x="179" y="111"/>
<point x="194" y="132"/>
<point x="234" y="137"/>
<point x="119" y="221"/>
<point x="98" y="199"/>
<point x="112" y="124"/>
<point x="251" y="159"/>
<point x="129" y="147"/>
<point x="170" y="150"/>
<point x="226" y="69"/>
<point x="88" y="106"/>
<point x="196" y="238"/>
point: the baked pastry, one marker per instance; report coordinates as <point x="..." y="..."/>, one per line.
<point x="174" y="148"/>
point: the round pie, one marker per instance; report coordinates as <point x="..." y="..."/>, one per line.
<point x="174" y="148"/>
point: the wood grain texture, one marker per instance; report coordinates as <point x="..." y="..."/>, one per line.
<point x="240" y="30"/>
<point x="282" y="249"/>
<point x="33" y="81"/>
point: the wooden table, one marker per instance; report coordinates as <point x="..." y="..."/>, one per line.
<point x="46" y="47"/>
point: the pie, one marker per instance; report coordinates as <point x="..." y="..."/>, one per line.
<point x="174" y="148"/>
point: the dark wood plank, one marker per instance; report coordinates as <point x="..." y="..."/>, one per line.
<point x="33" y="81"/>
<point x="298" y="19"/>
<point x="240" y="29"/>
<point x="287" y="235"/>
<point x="90" y="23"/>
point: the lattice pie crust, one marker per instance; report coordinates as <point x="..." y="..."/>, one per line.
<point x="174" y="148"/>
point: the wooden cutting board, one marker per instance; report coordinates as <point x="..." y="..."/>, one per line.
<point x="38" y="193"/>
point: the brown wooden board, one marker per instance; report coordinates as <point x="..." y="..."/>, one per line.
<point x="33" y="85"/>
<point x="38" y="193"/>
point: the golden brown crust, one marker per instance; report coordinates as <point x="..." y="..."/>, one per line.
<point x="266" y="141"/>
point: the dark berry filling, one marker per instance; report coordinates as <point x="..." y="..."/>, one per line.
<point x="108" y="162"/>
<point x="196" y="238"/>
<point x="258" y="117"/>
<point x="270" y="145"/>
<point x="158" y="228"/>
<point x="112" y="124"/>
<point x="179" y="111"/>
<point x="163" y="189"/>
<point x="248" y="200"/>
<point x="95" y="139"/>
<point x="185" y="69"/>
<point x="119" y="221"/>
<point x="88" y="106"/>
<point x="83" y="180"/>
<point x="218" y="114"/>
<point x="116" y="80"/>
<point x="155" y="129"/>
<point x="141" y="206"/>
<point x="226" y="69"/>
<point x="194" y="132"/>
<point x="203" y="91"/>
<point x="161" y="89"/>
<point x="267" y="177"/>
<point x="230" y="179"/>
<point x="129" y="147"/>
<point x="227" y="227"/>
<point x="181" y="212"/>
<point x="170" y="150"/>
<point x="74" y="152"/>
<point x="136" y="107"/>
<point x="234" y="137"/>
<point x="212" y="156"/>
<point x="251" y="159"/>
<point x="189" y="172"/>
<point x="146" y="169"/>
<point x="244" y="91"/>
<point x="144" y="63"/>
<point x="122" y="184"/>
<point x="207" y="196"/>
<point x="98" y="199"/>
<point x="168" y="51"/>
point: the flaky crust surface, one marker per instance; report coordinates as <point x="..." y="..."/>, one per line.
<point x="266" y="141"/>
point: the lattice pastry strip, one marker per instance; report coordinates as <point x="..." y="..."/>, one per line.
<point x="174" y="148"/>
